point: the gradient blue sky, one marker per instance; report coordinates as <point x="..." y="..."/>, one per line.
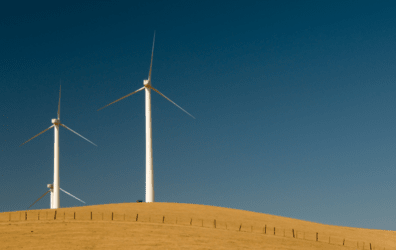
<point x="294" y="100"/>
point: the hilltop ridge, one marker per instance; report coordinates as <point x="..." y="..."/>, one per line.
<point x="177" y="226"/>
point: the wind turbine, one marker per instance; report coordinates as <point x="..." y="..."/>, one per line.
<point x="149" y="148"/>
<point x="54" y="188"/>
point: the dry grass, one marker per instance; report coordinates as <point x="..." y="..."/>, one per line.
<point x="176" y="226"/>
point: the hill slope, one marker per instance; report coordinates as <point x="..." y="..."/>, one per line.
<point x="176" y="226"/>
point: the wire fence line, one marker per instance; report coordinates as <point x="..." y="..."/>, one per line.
<point x="56" y="215"/>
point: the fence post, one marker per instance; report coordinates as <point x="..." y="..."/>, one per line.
<point x="112" y="215"/>
<point x="191" y="222"/>
<point x="293" y="233"/>
<point x="274" y="230"/>
<point x="163" y="219"/>
<point x="240" y="227"/>
<point x="214" y="222"/>
<point x="55" y="216"/>
<point x="343" y="242"/>
<point x="38" y="216"/>
<point x="25" y="215"/>
<point x="74" y="215"/>
<point x="137" y="216"/>
<point x="370" y="246"/>
<point x="317" y="237"/>
<point x="265" y="230"/>
<point x="329" y="239"/>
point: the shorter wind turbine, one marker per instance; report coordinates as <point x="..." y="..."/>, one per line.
<point x="50" y="186"/>
<point x="54" y="188"/>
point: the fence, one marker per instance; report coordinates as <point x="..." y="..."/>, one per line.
<point x="56" y="215"/>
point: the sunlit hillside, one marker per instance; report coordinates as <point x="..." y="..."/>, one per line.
<point x="176" y="226"/>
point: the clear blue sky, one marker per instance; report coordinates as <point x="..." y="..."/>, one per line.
<point x="294" y="104"/>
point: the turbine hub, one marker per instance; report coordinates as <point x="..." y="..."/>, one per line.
<point x="50" y="186"/>
<point x="55" y="121"/>
<point x="146" y="83"/>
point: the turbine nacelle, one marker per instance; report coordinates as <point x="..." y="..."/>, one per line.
<point x="55" y="121"/>
<point x="147" y="83"/>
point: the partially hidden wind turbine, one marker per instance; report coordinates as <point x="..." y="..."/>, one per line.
<point x="54" y="188"/>
<point x="149" y="149"/>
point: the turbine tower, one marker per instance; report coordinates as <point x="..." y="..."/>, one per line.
<point x="149" y="148"/>
<point x="54" y="188"/>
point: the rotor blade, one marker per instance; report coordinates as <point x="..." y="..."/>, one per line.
<point x="77" y="134"/>
<point x="151" y="64"/>
<point x="37" y="135"/>
<point x="71" y="195"/>
<point x="60" y="86"/>
<point x="171" y="101"/>
<point x="122" y="98"/>
<point x="39" y="198"/>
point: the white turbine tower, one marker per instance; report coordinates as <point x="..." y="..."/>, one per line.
<point x="54" y="188"/>
<point x="149" y="148"/>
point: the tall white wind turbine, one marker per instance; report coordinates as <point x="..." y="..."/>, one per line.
<point x="149" y="148"/>
<point x="54" y="188"/>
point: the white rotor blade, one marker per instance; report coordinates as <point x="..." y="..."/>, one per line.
<point x="171" y="101"/>
<point x="122" y="98"/>
<point x="37" y="135"/>
<point x="39" y="198"/>
<point x="77" y="134"/>
<point x="60" y="86"/>
<point x="151" y="64"/>
<point x="71" y="195"/>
